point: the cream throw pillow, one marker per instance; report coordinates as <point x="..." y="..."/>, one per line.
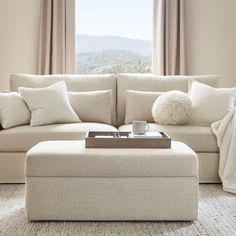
<point x="139" y="105"/>
<point x="49" y="105"/>
<point x="92" y="106"/>
<point x="210" y="104"/>
<point x="13" y="110"/>
<point x="172" y="108"/>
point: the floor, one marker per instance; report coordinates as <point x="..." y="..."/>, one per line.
<point x="217" y="216"/>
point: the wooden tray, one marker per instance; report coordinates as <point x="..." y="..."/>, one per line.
<point x="116" y="141"/>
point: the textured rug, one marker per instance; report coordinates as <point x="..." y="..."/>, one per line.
<point x="217" y="216"/>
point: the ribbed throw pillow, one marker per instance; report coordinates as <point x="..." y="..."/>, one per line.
<point x="92" y="106"/>
<point x="13" y="110"/>
<point x="49" y="105"/>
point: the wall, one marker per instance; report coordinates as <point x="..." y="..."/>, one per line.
<point x="211" y="38"/>
<point x="19" y="23"/>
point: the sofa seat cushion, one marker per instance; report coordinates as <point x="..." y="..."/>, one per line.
<point x="72" y="159"/>
<point x="199" y="138"/>
<point x="22" y="138"/>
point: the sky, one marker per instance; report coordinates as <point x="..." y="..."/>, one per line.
<point x="125" y="18"/>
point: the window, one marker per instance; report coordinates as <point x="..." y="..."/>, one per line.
<point x="113" y="36"/>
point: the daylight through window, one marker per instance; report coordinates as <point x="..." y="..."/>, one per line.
<point x="113" y="36"/>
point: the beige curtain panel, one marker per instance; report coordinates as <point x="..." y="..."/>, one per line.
<point x="168" y="37"/>
<point x="57" y="53"/>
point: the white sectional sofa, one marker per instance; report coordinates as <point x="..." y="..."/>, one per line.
<point x="15" y="142"/>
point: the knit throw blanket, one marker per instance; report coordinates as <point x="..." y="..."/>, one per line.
<point x="225" y="131"/>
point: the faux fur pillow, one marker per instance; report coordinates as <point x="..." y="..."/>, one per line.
<point x="172" y="108"/>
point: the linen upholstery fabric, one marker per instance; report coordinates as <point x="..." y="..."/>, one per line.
<point x="210" y="104"/>
<point x="49" y="105"/>
<point x="208" y="171"/>
<point x="71" y="158"/>
<point x="27" y="136"/>
<point x="139" y="105"/>
<point x="57" y="51"/>
<point x="94" y="106"/>
<point x="74" y="83"/>
<point x="13" y="110"/>
<point x="155" y="84"/>
<point x="99" y="199"/>
<point x="110" y="184"/>
<point x="168" y="54"/>
<point x="199" y="138"/>
<point x="12" y="167"/>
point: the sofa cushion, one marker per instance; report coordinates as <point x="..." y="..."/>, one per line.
<point x="139" y="105"/>
<point x="172" y="108"/>
<point x="22" y="138"/>
<point x="142" y="82"/>
<point x="49" y="105"/>
<point x="92" y="106"/>
<point x="74" y="83"/>
<point x="10" y="105"/>
<point x="210" y="104"/>
<point x="199" y="138"/>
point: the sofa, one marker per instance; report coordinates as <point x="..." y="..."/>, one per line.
<point x="15" y="142"/>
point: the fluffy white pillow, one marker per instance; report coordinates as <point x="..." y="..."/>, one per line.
<point x="172" y="108"/>
<point x="210" y="104"/>
<point x="49" y="105"/>
<point x="92" y="106"/>
<point x="139" y="105"/>
<point x="13" y="110"/>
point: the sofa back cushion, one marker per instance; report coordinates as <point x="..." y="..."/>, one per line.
<point x="142" y="82"/>
<point x="74" y="83"/>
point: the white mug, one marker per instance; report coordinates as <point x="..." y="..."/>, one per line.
<point x="140" y="127"/>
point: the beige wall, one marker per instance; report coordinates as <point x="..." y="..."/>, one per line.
<point x="19" y="21"/>
<point x="211" y="38"/>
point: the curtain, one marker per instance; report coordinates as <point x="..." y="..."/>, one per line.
<point x="168" y="55"/>
<point x="57" y="53"/>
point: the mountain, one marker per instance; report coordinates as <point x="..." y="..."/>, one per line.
<point x="112" y="61"/>
<point x="89" y="43"/>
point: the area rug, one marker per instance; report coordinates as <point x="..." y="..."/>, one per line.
<point x="217" y="216"/>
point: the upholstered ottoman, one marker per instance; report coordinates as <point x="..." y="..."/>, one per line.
<point x="66" y="181"/>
